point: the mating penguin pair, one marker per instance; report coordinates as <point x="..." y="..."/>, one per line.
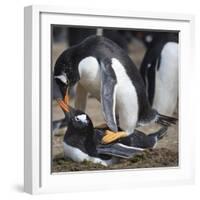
<point x="83" y="142"/>
<point x="103" y="69"/>
<point x="159" y="71"/>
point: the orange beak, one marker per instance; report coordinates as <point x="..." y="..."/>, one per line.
<point x="64" y="103"/>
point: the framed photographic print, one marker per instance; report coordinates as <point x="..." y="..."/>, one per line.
<point x="106" y="98"/>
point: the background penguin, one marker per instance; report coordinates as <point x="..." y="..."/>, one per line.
<point x="105" y="70"/>
<point x="159" y="70"/>
<point x="83" y="142"/>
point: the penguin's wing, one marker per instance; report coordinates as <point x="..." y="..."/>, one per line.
<point x="108" y="96"/>
<point x="118" y="150"/>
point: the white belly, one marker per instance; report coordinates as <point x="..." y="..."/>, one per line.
<point x="126" y="96"/>
<point x="166" y="87"/>
<point x="126" y="99"/>
<point x="89" y="71"/>
<point x="78" y="156"/>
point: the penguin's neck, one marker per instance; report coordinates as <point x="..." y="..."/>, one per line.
<point x="81" y="139"/>
<point x="90" y="145"/>
<point x="89" y="72"/>
<point x="74" y="138"/>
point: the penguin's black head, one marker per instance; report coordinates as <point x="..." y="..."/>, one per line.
<point x="80" y="122"/>
<point x="80" y="132"/>
<point x="66" y="73"/>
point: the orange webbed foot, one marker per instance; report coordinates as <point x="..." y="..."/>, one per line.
<point x="112" y="136"/>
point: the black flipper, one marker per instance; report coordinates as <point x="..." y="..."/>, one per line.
<point x="165" y="120"/>
<point x="153" y="138"/>
<point x="61" y="123"/>
<point x="56" y="125"/>
<point x="140" y="140"/>
<point x="108" y="84"/>
<point x="118" y="150"/>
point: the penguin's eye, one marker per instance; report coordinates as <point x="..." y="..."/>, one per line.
<point x="77" y="119"/>
<point x="63" y="78"/>
<point x="81" y="118"/>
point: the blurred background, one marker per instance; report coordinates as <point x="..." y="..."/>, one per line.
<point x="135" y="43"/>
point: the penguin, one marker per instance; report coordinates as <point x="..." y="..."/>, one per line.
<point x="159" y="70"/>
<point x="105" y="70"/>
<point x="83" y="142"/>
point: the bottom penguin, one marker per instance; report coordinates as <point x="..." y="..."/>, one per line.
<point x="83" y="142"/>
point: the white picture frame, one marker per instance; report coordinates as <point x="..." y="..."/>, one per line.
<point x="37" y="173"/>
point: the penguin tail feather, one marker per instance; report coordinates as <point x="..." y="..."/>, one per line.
<point x="166" y="120"/>
<point x="118" y="150"/>
<point x="160" y="133"/>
